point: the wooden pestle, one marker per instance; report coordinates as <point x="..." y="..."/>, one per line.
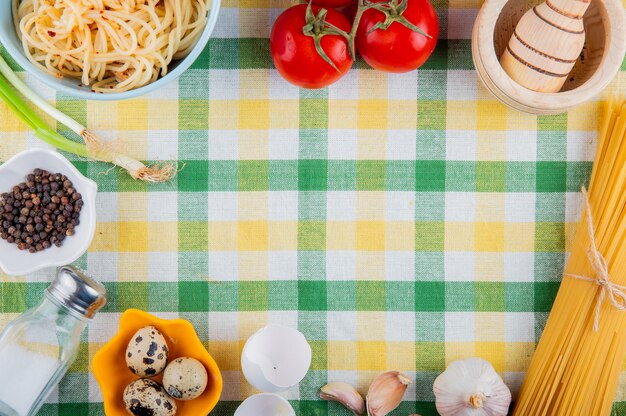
<point x="546" y="44"/>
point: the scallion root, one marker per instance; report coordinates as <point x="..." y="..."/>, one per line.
<point x="100" y="150"/>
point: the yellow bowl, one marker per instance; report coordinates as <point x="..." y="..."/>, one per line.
<point x="109" y="364"/>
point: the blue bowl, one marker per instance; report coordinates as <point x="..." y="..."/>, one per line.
<point x="73" y="87"/>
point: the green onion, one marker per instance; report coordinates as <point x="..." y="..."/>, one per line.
<point x="30" y="118"/>
<point x="93" y="147"/>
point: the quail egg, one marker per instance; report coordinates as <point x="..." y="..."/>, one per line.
<point x="145" y="397"/>
<point x="185" y="378"/>
<point x="146" y="354"/>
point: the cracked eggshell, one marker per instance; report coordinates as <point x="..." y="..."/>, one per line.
<point x="147" y="352"/>
<point x="275" y="358"/>
<point x="265" y="404"/>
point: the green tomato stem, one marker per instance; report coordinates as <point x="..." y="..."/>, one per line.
<point x="392" y="9"/>
<point x="317" y="27"/>
<point x="355" y="26"/>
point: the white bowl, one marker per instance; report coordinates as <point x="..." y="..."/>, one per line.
<point x="14" y="171"/>
<point x="73" y="87"/>
<point x="265" y="404"/>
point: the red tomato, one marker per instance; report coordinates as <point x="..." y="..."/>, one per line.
<point x="333" y="3"/>
<point x="294" y="53"/>
<point x="350" y="10"/>
<point x="398" y="48"/>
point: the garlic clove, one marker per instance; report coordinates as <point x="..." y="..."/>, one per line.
<point x="471" y="387"/>
<point x="346" y="395"/>
<point x="385" y="392"/>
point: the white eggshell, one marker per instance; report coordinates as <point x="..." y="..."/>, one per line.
<point x="147" y="352"/>
<point x="145" y="396"/>
<point x="265" y="404"/>
<point x="185" y="378"/>
<point x="276" y="358"/>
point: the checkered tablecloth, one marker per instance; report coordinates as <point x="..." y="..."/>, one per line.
<point x="399" y="221"/>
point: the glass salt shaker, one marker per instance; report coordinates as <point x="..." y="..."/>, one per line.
<point x="37" y="348"/>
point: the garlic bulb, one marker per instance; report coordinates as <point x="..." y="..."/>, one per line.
<point x="385" y="393"/>
<point x="471" y="387"/>
<point x="346" y="395"/>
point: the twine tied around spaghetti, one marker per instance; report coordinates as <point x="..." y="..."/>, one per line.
<point x="615" y="292"/>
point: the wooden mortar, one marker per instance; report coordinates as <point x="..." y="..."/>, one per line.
<point x="601" y="57"/>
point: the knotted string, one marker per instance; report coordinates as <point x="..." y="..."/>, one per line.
<point x="615" y="292"/>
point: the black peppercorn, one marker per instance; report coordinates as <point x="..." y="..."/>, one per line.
<point x="40" y="212"/>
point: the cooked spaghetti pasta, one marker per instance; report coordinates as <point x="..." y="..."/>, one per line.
<point x="576" y="366"/>
<point x="110" y="45"/>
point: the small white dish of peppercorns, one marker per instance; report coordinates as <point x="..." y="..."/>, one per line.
<point x="47" y="212"/>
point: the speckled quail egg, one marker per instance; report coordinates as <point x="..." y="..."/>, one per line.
<point x="145" y="397"/>
<point x="185" y="378"/>
<point x="146" y="354"/>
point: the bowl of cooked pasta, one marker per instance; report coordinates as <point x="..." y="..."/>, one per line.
<point x="106" y="49"/>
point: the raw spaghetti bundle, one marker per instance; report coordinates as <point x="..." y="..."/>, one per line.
<point x="110" y="45"/>
<point x="576" y="366"/>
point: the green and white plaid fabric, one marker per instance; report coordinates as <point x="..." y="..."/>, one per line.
<point x="399" y="221"/>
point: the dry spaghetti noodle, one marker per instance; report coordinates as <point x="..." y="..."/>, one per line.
<point x="110" y="45"/>
<point x="576" y="367"/>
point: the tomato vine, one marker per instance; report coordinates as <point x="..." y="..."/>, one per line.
<point x="317" y="27"/>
